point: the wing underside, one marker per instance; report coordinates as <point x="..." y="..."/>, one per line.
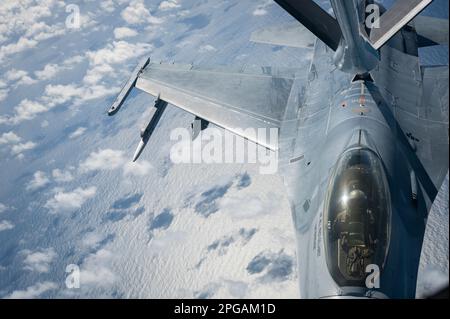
<point x="234" y="100"/>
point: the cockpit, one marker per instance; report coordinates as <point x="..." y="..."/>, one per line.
<point x="356" y="217"/>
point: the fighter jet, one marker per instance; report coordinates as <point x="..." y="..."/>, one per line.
<point x="363" y="135"/>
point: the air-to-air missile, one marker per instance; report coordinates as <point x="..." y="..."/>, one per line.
<point x="146" y="132"/>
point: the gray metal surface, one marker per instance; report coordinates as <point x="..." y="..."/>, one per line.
<point x="399" y="113"/>
<point x="433" y="29"/>
<point x="129" y="85"/>
<point x="317" y="20"/>
<point x="396" y="18"/>
<point x="292" y="35"/>
<point x="235" y="101"/>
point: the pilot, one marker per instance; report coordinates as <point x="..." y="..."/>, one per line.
<point x="340" y="224"/>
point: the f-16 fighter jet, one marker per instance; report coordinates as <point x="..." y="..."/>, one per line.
<point x="363" y="135"/>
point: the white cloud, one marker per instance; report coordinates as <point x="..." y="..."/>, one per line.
<point x="78" y="132"/>
<point x="21" y="45"/>
<point x="48" y="72"/>
<point x="18" y="77"/>
<point x="14" y="75"/>
<point x="137" y="13"/>
<point x="207" y="48"/>
<point x="259" y="12"/>
<point x="70" y="201"/>
<point x="100" y="66"/>
<point x="92" y="240"/>
<point x="6" y="225"/>
<point x="106" y="159"/>
<point x="261" y="9"/>
<point x="140" y="168"/>
<point x="39" y="180"/>
<point x="433" y="280"/>
<point x="3" y="207"/>
<point x="3" y="94"/>
<point x="108" y="6"/>
<point x="27" y="110"/>
<point x="62" y="177"/>
<point x="117" y="52"/>
<point x="122" y="33"/>
<point x="22" y="147"/>
<point x="159" y="245"/>
<point x="95" y="270"/>
<point x="70" y="62"/>
<point x="59" y="94"/>
<point x="33" y="291"/>
<point x="245" y="206"/>
<point x="9" y="138"/>
<point x="39" y="261"/>
<point x="168" y="5"/>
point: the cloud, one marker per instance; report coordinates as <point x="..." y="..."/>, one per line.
<point x="39" y="180"/>
<point x="140" y="168"/>
<point x="433" y="280"/>
<point x="78" y="132"/>
<point x="59" y="94"/>
<point x="62" y="177"/>
<point x="6" y="225"/>
<point x="33" y="291"/>
<point x="117" y="52"/>
<point x="70" y="201"/>
<point x="137" y="13"/>
<point x="48" y="72"/>
<point x="207" y="48"/>
<point x="108" y="6"/>
<point x="39" y="261"/>
<point x="17" y="148"/>
<point x="100" y="62"/>
<point x="261" y="9"/>
<point x="168" y="5"/>
<point x="106" y="159"/>
<point x="159" y="245"/>
<point x="3" y="94"/>
<point x="14" y="75"/>
<point x="10" y="138"/>
<point x="92" y="240"/>
<point x="260" y="12"/>
<point x="22" y="147"/>
<point x="24" y="21"/>
<point x="247" y="206"/>
<point x="21" y="45"/>
<point x="109" y="159"/>
<point x="274" y="267"/>
<point x="27" y="110"/>
<point x="3" y="207"/>
<point x="95" y="270"/>
<point x="122" y="33"/>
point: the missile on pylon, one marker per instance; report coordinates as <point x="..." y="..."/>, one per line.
<point x="126" y="89"/>
<point x="156" y="113"/>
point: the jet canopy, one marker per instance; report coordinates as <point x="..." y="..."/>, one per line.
<point x="356" y="217"/>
